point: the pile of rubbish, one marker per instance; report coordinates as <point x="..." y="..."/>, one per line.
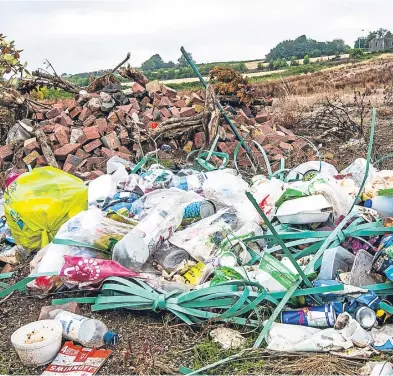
<point x="80" y="135"/>
<point x="312" y="246"/>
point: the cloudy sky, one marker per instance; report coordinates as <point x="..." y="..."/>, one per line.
<point x="80" y="36"/>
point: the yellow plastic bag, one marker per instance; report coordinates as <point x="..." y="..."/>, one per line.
<point x="39" y="202"/>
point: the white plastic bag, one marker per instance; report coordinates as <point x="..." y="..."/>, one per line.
<point x="358" y="169"/>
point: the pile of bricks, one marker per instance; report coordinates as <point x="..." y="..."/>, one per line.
<point x="84" y="133"/>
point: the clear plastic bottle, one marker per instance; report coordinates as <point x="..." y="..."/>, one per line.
<point x="145" y="238"/>
<point x="382" y="204"/>
<point x="88" y="332"/>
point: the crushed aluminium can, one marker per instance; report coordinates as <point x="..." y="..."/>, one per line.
<point x="316" y="317"/>
<point x="198" y="210"/>
<point x="384" y="256"/>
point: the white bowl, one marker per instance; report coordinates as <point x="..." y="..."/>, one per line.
<point x="39" y="342"/>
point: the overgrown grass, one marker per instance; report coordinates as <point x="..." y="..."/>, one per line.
<point x="192" y="86"/>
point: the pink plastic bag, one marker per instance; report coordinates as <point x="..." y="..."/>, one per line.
<point x="85" y="271"/>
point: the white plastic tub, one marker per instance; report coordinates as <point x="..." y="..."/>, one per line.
<point x="38" y="343"/>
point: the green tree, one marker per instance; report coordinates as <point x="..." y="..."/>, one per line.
<point x="294" y="62"/>
<point x="155" y="62"/>
<point x="10" y="59"/>
<point x="365" y="41"/>
<point x="306" y="60"/>
<point x="356" y="53"/>
<point x="183" y="61"/>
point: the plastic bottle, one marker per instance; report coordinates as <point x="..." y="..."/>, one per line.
<point x="88" y="332"/>
<point x="142" y="241"/>
<point x="382" y="204"/>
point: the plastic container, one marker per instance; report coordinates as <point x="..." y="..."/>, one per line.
<point x="146" y="237"/>
<point x="382" y="204"/>
<point x="38" y="343"/>
<point x="88" y="332"/>
<point x="335" y="259"/>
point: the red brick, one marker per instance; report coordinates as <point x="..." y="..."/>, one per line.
<point x="277" y="157"/>
<point x="80" y="153"/>
<point x="89" y="121"/>
<point x="91" y="133"/>
<point x="165" y="102"/>
<point x="31" y="146"/>
<point x="300" y="144"/>
<point x="244" y="162"/>
<point x="52" y="138"/>
<point x="94" y="174"/>
<point x="286" y="146"/>
<point x="102" y="125"/>
<point x="72" y="104"/>
<point x="156" y="99"/>
<point x="165" y="112"/>
<point x="126" y="108"/>
<point x="75" y="112"/>
<point x="276" y="138"/>
<point x="96" y="163"/>
<point x="124" y="150"/>
<point x="199" y="139"/>
<point x="137" y="88"/>
<point x="111" y="141"/>
<point x="180" y="103"/>
<point x="196" y="99"/>
<point x="86" y="112"/>
<point x="125" y="156"/>
<point x="285" y="130"/>
<point x="168" y="92"/>
<point x="135" y="104"/>
<point x="88" y="148"/>
<point x="70" y="307"/>
<point x="68" y="167"/>
<point x="53" y="113"/>
<point x="261" y="139"/>
<point x="187" y="111"/>
<point x="227" y="147"/>
<point x="73" y="160"/>
<point x="107" y="153"/>
<point x="41" y="161"/>
<point x="123" y="136"/>
<point x="63" y="151"/>
<point x="30" y="158"/>
<point x="266" y="128"/>
<point x="230" y="136"/>
<point x="6" y="152"/>
<point x="38" y="116"/>
<point x="262" y="117"/>
<point x="156" y="114"/>
<point x="48" y="128"/>
<point x="62" y="135"/>
<point x="65" y="120"/>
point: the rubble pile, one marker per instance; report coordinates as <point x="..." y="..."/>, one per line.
<point x="80" y="135"/>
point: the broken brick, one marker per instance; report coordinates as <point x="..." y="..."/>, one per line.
<point x="102" y="125"/>
<point x="72" y="104"/>
<point x="124" y="150"/>
<point x="91" y="133"/>
<point x="70" y="307"/>
<point x="89" y="121"/>
<point x="165" y="112"/>
<point x="199" y="139"/>
<point x="227" y="147"/>
<point x="165" y="102"/>
<point x="38" y="116"/>
<point x="86" y="112"/>
<point x="6" y="152"/>
<point x="196" y="99"/>
<point x="31" y="146"/>
<point x="80" y="153"/>
<point x="63" y="151"/>
<point x="41" y="161"/>
<point x="262" y="117"/>
<point x="286" y="146"/>
<point x="107" y="152"/>
<point x="168" y="92"/>
<point x="61" y="135"/>
<point x="75" y="112"/>
<point x="73" y="160"/>
<point x="135" y="104"/>
<point x="69" y="168"/>
<point x="125" y="156"/>
<point x="65" y="120"/>
<point x="53" y="113"/>
<point x="94" y="174"/>
<point x="123" y="136"/>
<point x="111" y="141"/>
<point x="137" y="88"/>
<point x="180" y="103"/>
<point x="187" y="111"/>
<point x="88" y="148"/>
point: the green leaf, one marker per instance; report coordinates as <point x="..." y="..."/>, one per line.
<point x="385" y="192"/>
<point x="289" y="194"/>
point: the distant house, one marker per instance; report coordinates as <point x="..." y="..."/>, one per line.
<point x="380" y="44"/>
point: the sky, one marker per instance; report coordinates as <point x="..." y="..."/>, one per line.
<point x="84" y="36"/>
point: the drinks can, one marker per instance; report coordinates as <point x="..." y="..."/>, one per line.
<point x="316" y="317"/>
<point x="384" y="256"/>
<point x="366" y="317"/>
<point x="198" y="210"/>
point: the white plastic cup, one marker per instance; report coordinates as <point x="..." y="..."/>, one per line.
<point x="38" y="343"/>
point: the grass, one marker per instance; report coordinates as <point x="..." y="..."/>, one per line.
<point x="208" y="352"/>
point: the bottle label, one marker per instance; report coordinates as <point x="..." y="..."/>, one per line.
<point x="71" y="324"/>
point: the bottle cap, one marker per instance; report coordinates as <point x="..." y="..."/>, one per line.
<point x="111" y="339"/>
<point x="368" y="203"/>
